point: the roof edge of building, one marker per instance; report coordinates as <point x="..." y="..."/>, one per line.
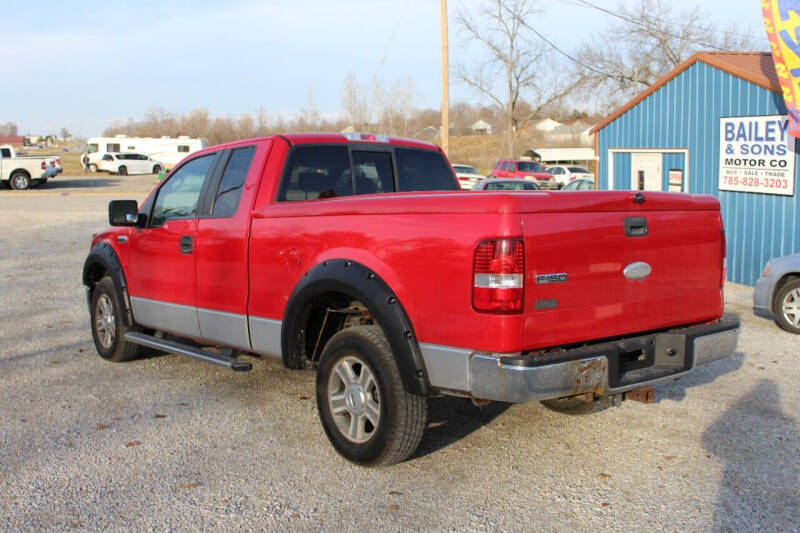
<point x="709" y="58"/>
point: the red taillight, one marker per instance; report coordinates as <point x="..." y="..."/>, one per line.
<point x="44" y="165"/>
<point x="723" y="259"/>
<point x="499" y="276"/>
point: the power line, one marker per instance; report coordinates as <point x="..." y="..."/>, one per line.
<point x="562" y="52"/>
<point x="626" y="18"/>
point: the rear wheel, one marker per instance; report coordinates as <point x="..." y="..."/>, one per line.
<point x="108" y="328"/>
<point x="92" y="168"/>
<point x="365" y="411"/>
<point x="20" y="181"/>
<point x="787" y="307"/>
<point x="122" y="171"/>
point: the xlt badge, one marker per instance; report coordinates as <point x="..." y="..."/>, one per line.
<point x="542" y="279"/>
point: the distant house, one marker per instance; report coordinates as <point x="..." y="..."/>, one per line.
<point x="428" y="133"/>
<point x="481" y="127"/>
<point x="577" y="134"/>
<point x="545" y="125"/>
<point x="16" y="141"/>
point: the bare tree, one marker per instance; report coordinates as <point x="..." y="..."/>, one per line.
<point x="645" y="43"/>
<point x="517" y="60"/>
<point x="8" y="129"/>
<point x="352" y="101"/>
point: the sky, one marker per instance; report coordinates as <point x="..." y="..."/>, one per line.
<point x="85" y="65"/>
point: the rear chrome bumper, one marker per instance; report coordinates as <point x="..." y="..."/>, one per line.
<point x="605" y="368"/>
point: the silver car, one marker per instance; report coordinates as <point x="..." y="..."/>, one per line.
<point x="777" y="292"/>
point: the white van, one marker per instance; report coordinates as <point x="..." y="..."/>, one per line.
<point x="168" y="150"/>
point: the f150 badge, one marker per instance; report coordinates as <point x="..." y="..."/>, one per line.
<point x="542" y="279"/>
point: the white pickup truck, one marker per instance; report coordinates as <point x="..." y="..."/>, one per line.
<point x="24" y="172"/>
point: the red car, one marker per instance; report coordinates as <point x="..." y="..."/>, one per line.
<point x="530" y="170"/>
<point x="358" y="256"/>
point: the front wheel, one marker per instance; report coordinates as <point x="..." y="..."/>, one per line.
<point x="157" y="169"/>
<point x="92" y="168"/>
<point x="108" y="329"/>
<point x="787" y="308"/>
<point x="367" y="414"/>
<point x="122" y="171"/>
<point x="20" y="181"/>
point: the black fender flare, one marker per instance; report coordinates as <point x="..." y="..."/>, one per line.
<point x="359" y="282"/>
<point x="103" y="255"/>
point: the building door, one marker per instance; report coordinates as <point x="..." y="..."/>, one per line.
<point x="646" y="171"/>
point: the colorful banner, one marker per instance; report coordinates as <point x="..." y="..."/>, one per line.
<point x="782" y="22"/>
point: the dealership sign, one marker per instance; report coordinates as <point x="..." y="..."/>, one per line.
<point x="756" y="155"/>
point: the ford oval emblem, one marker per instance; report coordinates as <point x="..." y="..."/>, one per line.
<point x="637" y="270"/>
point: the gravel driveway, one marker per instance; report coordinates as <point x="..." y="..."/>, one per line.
<point x="170" y="443"/>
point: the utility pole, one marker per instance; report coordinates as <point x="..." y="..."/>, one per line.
<point x="445" y="82"/>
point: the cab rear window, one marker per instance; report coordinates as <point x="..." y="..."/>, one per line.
<point x="318" y="172"/>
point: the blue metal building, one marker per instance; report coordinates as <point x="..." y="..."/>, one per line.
<point x="670" y="137"/>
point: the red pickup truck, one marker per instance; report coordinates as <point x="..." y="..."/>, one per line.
<point x="359" y="256"/>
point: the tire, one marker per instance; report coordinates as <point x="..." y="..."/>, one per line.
<point x="358" y="374"/>
<point x="787" y="307"/>
<point x="574" y="406"/>
<point x="92" y="168"/>
<point x="108" y="329"/>
<point x="20" y="181"/>
<point x="122" y="171"/>
<point x="157" y="169"/>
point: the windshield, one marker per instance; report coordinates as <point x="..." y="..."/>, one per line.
<point x="465" y="169"/>
<point x="529" y="166"/>
<point x="516" y="185"/>
<point x="578" y="169"/>
<point x="92" y="148"/>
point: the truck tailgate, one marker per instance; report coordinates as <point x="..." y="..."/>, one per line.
<point x="575" y="288"/>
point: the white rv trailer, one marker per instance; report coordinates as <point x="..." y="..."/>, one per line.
<point x="168" y="150"/>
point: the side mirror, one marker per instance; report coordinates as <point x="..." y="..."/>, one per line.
<point x="123" y="213"/>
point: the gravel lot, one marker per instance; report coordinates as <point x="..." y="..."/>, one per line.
<point x="170" y="443"/>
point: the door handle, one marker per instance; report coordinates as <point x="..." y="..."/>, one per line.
<point x="636" y="226"/>
<point x="186" y="244"/>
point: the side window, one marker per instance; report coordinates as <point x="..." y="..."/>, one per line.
<point x="141" y="157"/>
<point x="230" y="186"/>
<point x="498" y="165"/>
<point x="112" y="147"/>
<point x="314" y="172"/>
<point x="505" y="166"/>
<point x="5" y="152"/>
<point x="373" y="172"/>
<point x="511" y="167"/>
<point x="92" y="148"/>
<point x="424" y="170"/>
<point x="183" y="148"/>
<point x="178" y="196"/>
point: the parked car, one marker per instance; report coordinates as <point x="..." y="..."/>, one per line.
<point x="530" y="170"/>
<point x="777" y="292"/>
<point x="467" y="175"/>
<point x="580" y="184"/>
<point x="565" y="174"/>
<point x="23" y="172"/>
<point x="129" y="163"/>
<point x="298" y="247"/>
<point x="502" y="184"/>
